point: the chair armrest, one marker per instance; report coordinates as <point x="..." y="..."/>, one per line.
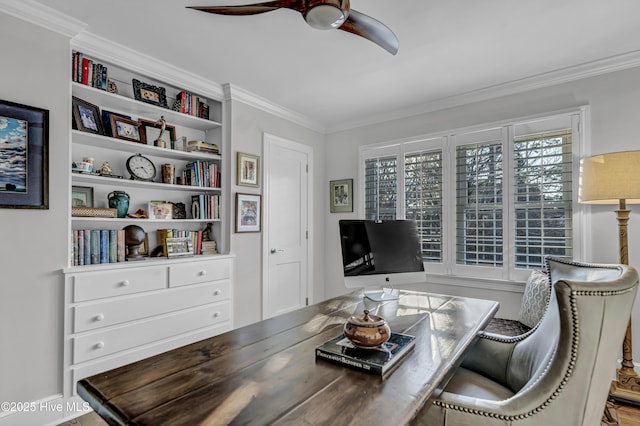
<point x="490" y="355"/>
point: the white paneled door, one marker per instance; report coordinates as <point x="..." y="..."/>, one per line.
<point x="287" y="213"/>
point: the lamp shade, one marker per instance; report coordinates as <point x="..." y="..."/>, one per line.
<point x="609" y="178"/>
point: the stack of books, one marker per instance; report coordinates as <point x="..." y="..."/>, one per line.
<point x="380" y="360"/>
<point x="209" y="247"/>
<point x="202" y="146"/>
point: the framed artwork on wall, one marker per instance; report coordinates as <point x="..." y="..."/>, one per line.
<point x="248" y="212"/>
<point x="248" y="170"/>
<point x="341" y="196"/>
<point x="24" y="156"/>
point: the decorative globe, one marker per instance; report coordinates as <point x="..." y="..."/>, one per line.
<point x="133" y="237"/>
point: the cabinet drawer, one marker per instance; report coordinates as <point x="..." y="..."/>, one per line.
<point x="199" y="272"/>
<point x="96" y="285"/>
<point x="128" y="336"/>
<point x="94" y="315"/>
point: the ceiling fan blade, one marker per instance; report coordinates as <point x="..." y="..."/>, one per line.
<point x="371" y="29"/>
<point x="247" y="9"/>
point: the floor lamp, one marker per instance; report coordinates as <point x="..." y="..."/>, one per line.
<point x="614" y="178"/>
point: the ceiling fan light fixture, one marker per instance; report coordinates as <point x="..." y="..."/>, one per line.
<point x="325" y="17"/>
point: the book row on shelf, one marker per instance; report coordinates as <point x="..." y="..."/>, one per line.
<point x="202" y="173"/>
<point x="100" y="246"/>
<point x="89" y="72"/>
<point x="191" y="104"/>
<point x="204" y="206"/>
<point x="95" y="246"/>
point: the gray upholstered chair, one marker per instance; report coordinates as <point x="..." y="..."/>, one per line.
<point x="557" y="373"/>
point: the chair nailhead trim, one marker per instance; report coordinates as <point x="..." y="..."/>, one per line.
<point x="575" y="340"/>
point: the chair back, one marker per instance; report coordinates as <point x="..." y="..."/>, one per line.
<point x="570" y="356"/>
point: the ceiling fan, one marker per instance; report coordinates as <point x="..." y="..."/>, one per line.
<point x="320" y="14"/>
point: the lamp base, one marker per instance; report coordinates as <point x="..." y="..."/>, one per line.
<point x="626" y="388"/>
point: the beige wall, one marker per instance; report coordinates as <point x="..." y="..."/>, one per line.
<point x="247" y="127"/>
<point x="615" y="126"/>
<point x="35" y="71"/>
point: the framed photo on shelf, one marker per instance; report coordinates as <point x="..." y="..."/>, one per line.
<point x="151" y="131"/>
<point x="160" y="210"/>
<point x="81" y="196"/>
<point x="86" y="116"/>
<point x="178" y="247"/>
<point x="341" y="196"/>
<point x="123" y="128"/>
<point x="150" y="94"/>
<point x="248" y="212"/>
<point x="143" y="248"/>
<point x="24" y="156"/>
<point x="106" y="120"/>
<point x="248" y="170"/>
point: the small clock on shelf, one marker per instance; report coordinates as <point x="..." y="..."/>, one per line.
<point x="141" y="168"/>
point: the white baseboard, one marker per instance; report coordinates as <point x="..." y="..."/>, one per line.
<point x="50" y="411"/>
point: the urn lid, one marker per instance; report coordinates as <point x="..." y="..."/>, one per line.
<point x="366" y="320"/>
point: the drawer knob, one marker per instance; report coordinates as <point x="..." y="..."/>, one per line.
<point x="202" y="273"/>
<point x="216" y="293"/>
<point x="125" y="283"/>
<point x="98" y="317"/>
<point x="99" y="345"/>
<point x="216" y="314"/>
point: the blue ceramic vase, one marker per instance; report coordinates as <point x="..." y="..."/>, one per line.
<point x="119" y="200"/>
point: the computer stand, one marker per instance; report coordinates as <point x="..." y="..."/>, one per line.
<point x="382" y="295"/>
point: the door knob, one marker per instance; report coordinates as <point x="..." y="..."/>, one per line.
<point x="274" y="251"/>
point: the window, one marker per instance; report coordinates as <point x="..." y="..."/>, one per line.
<point x="543" y="196"/>
<point x="380" y="188"/>
<point x="499" y="204"/>
<point x="423" y="199"/>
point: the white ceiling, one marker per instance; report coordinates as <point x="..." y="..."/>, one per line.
<point x="447" y="48"/>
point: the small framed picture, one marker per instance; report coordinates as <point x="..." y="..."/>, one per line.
<point x="150" y="94"/>
<point x="123" y="128"/>
<point x="143" y="248"/>
<point x="86" y="116"/>
<point x="151" y="131"/>
<point x="178" y="247"/>
<point x="160" y="210"/>
<point x="341" y="196"/>
<point x="248" y="170"/>
<point x="24" y="156"/>
<point x="248" y="212"/>
<point x="106" y="120"/>
<point x="81" y="196"/>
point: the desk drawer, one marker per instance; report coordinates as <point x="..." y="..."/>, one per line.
<point x="104" y="313"/>
<point x="199" y="272"/>
<point x="128" y="336"/>
<point x="99" y="284"/>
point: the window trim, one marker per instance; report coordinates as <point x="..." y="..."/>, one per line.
<point x="448" y="141"/>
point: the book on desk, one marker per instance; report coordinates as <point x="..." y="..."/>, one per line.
<point x="381" y="360"/>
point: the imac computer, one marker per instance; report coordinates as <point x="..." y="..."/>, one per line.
<point x="378" y="255"/>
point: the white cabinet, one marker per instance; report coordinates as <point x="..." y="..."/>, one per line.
<point x="120" y="312"/>
<point x="115" y="316"/>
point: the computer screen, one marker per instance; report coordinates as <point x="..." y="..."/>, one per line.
<point x="380" y="254"/>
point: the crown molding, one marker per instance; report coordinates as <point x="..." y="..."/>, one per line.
<point x="43" y="16"/>
<point x="140" y="63"/>
<point x="233" y="92"/>
<point x="539" y="81"/>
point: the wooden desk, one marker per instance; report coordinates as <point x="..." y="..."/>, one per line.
<point x="266" y="373"/>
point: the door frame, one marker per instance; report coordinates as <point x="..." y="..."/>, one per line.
<point x="267" y="140"/>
